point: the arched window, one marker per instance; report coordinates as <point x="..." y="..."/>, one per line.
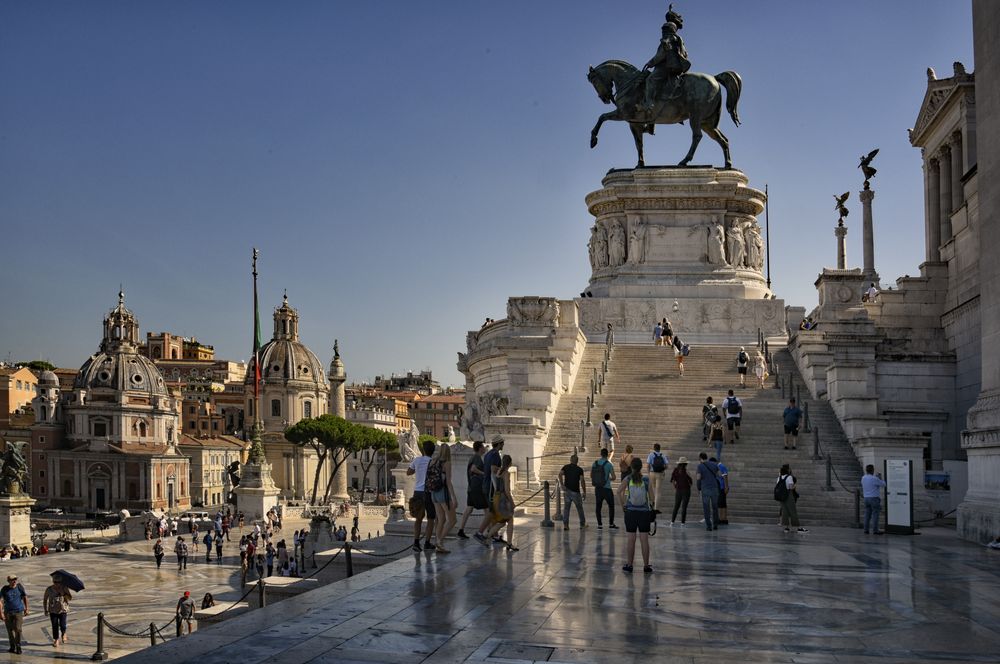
<point x="275" y="408"/>
<point x="307" y="409"/>
<point x="173" y="353"/>
<point x="156" y="352"/>
<point x="142" y="429"/>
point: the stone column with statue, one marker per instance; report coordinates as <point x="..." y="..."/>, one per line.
<point x="15" y="501"/>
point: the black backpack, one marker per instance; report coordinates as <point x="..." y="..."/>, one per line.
<point x="742" y="358"/>
<point x="733" y="406"/>
<point x="659" y="464"/>
<point x="781" y="489"/>
<point x="598" y="474"/>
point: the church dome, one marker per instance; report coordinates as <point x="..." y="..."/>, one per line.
<point x="118" y="364"/>
<point x="48" y="379"/>
<point x="284" y="358"/>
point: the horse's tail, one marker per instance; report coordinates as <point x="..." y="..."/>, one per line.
<point x="733" y="84"/>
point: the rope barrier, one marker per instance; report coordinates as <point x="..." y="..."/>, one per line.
<point x="234" y="604"/>
<point x="120" y="632"/>
<point x="317" y="571"/>
<point x="529" y="497"/>
<point x="936" y="517"/>
<point x="384" y="555"/>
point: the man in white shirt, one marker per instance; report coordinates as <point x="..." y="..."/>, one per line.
<point x="657" y="463"/>
<point x="872" y="292"/>
<point x="871" y="487"/>
<point x="609" y="435"/>
<point x="421" y="503"/>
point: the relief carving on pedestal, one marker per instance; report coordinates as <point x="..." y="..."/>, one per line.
<point x="533" y="311"/>
<point x="735" y="245"/>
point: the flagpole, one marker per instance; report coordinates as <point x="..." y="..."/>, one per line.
<point x="767" y="232"/>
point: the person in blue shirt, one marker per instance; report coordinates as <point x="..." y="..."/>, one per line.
<point x="871" y="487"/>
<point x="792" y="415"/>
<point x="13" y="609"/>
<point x="707" y="479"/>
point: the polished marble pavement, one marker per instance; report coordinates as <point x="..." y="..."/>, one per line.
<point x="745" y="593"/>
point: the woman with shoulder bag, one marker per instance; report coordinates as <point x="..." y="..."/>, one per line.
<point x="442" y="493"/>
<point x="503" y="504"/>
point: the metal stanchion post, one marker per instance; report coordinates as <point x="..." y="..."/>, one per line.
<point x="816" y="455"/>
<point x="590" y="406"/>
<point x="829" y="473"/>
<point x="593" y="380"/>
<point x="152" y="634"/>
<point x="177" y="621"/>
<point x="798" y="394"/>
<point x="782" y="383"/>
<point x="261" y="592"/>
<point x="593" y="385"/>
<point x="314" y="559"/>
<point x="348" y="559"/>
<point x="99" y="655"/>
<point x="583" y="435"/>
<point x="857" y="509"/>
<point x="547" y="520"/>
<point x="559" y="502"/>
<point x="805" y="410"/>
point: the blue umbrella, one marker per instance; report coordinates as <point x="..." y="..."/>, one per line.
<point x="71" y="581"/>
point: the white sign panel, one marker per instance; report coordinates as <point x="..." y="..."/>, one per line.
<point x="898" y="491"/>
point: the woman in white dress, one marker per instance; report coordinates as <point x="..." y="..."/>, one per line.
<point x="759" y="369"/>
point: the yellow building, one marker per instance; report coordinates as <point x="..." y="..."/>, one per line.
<point x="18" y="386"/>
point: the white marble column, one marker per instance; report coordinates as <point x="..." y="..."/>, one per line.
<point x="933" y="210"/>
<point x="944" y="178"/>
<point x="957" y="171"/>
<point x="868" y="236"/>
<point x="841" y="233"/>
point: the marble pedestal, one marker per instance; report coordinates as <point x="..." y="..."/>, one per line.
<point x="15" y="520"/>
<point x="682" y="244"/>
<point x="257" y="493"/>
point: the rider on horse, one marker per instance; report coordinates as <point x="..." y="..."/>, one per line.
<point x="669" y="64"/>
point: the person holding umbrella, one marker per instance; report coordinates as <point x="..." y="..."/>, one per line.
<point x="56" y="600"/>
<point x="13" y="609"/>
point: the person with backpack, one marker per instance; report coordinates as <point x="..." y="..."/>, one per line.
<point x="608" y="432"/>
<point x="574" y="490"/>
<point x="668" y="333"/>
<point x="707" y="411"/>
<point x="634" y="494"/>
<point x="707" y="479"/>
<point x="682" y="490"/>
<point x="785" y="493"/>
<point x="733" y="408"/>
<point x="602" y="473"/>
<point x="438" y="482"/>
<point x="680" y="350"/>
<point x="715" y="432"/>
<point x="742" y="364"/>
<point x="656" y="462"/>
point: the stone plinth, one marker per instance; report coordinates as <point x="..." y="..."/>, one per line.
<point x="15" y="520"/>
<point x="257" y="493"/>
<point x="686" y="236"/>
<point x="878" y="446"/>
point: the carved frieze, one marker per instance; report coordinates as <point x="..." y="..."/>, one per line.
<point x="533" y="311"/>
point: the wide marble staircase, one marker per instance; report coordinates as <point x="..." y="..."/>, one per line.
<point x="651" y="403"/>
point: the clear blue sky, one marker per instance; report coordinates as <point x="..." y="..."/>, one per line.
<point x="404" y="167"/>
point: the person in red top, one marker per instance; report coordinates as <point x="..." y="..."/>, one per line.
<point x="682" y="490"/>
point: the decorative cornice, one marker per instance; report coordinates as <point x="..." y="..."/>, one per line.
<point x="750" y="207"/>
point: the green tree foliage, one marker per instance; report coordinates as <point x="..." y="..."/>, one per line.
<point x="378" y="442"/>
<point x="38" y="365"/>
<point x="333" y="439"/>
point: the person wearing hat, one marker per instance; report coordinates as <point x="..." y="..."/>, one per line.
<point x="185" y="609"/>
<point x="13" y="609"/>
<point x="56" y="601"/>
<point x="682" y="490"/>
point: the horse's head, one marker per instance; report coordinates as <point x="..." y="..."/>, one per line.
<point x="603" y="85"/>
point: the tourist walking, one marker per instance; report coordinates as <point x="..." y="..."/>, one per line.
<point x="679" y="348"/>
<point x="602" y="473"/>
<point x="269" y="558"/>
<point x="715" y="433"/>
<point x="13" y="609"/>
<point x="634" y="494"/>
<point x="625" y="462"/>
<point x="608" y="432"/>
<point x="438" y="481"/>
<point x="56" y="601"/>
<point x="181" y="549"/>
<point x="733" y="408"/>
<point x="792" y="415"/>
<point x="185" y="609"/>
<point x="207" y="541"/>
<point x="709" y="413"/>
<point x="491" y="466"/>
<point x="785" y="493"/>
<point x="503" y="505"/>
<point x="421" y="504"/>
<point x="707" y="478"/>
<point x="760" y="369"/>
<point x="742" y="364"/>
<point x="871" y="487"/>
<point x="658" y="334"/>
<point x="681" y="480"/>
<point x="218" y="548"/>
<point x="158" y="552"/>
<point x="657" y="462"/>
<point x="475" y="499"/>
<point x="282" y="558"/>
<point x="723" y="493"/>
<point x="668" y="333"/>
<point x="574" y="490"/>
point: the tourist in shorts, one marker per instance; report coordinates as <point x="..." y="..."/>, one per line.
<point x="733" y="409"/>
<point x="475" y="499"/>
<point x="574" y="490"/>
<point x="608" y="432"/>
<point x="792" y="416"/>
<point x="634" y="494"/>
<point x="668" y="333"/>
<point x="742" y="364"/>
<point x="185" y="609"/>
<point x="679" y="355"/>
<point x="421" y="503"/>
<point x="443" y="496"/>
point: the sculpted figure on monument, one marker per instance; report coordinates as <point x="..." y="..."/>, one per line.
<point x="754" y="244"/>
<point x="735" y="245"/>
<point x="409" y="447"/>
<point x="668" y="95"/>
<point x="14" y="471"/>
<point x="716" y="243"/>
<point x="637" y="244"/>
<point x="600" y="240"/>
<point x="616" y="245"/>
<point x="866" y="168"/>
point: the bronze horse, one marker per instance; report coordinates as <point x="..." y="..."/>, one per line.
<point x="699" y="102"/>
